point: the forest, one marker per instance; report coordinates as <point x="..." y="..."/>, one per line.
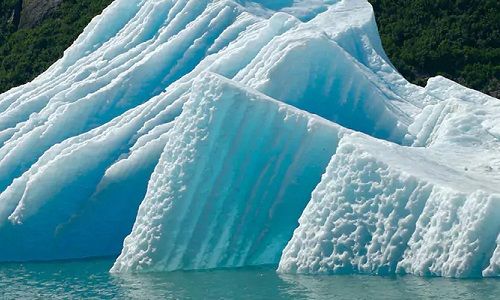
<point x="459" y="39"/>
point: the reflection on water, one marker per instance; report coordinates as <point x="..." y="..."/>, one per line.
<point x="91" y="280"/>
<point x="395" y="287"/>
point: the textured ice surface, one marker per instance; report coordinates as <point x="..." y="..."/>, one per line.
<point x="228" y="197"/>
<point x="200" y="128"/>
<point x="427" y="210"/>
<point x="381" y="208"/>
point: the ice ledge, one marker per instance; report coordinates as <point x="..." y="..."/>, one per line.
<point x="236" y="173"/>
<point x="382" y="208"/>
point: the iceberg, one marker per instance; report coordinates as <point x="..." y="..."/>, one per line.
<point x="377" y="212"/>
<point x="228" y="197"/>
<point x="198" y="134"/>
<point x="428" y="209"/>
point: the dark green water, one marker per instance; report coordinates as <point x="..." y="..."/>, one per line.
<point x="90" y="280"/>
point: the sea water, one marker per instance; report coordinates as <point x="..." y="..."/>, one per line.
<point x="90" y="279"/>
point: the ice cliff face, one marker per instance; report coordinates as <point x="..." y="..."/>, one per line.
<point x="200" y="134"/>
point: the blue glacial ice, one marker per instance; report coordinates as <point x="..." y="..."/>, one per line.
<point x="233" y="197"/>
<point x="197" y="134"/>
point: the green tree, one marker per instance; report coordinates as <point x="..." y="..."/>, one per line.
<point x="459" y="39"/>
<point x="25" y="53"/>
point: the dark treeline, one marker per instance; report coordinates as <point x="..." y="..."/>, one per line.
<point x="27" y="52"/>
<point x="459" y="39"/>
<point x="456" y="38"/>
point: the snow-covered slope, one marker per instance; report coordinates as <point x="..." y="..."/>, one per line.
<point x="198" y="129"/>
